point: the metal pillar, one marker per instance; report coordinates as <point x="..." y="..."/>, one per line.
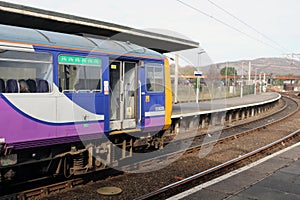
<point x="176" y="79"/>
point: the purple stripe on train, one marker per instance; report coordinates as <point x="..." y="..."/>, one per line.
<point x="15" y="127"/>
<point x="154" y="124"/>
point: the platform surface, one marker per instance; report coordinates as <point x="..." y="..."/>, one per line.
<point x="185" y="109"/>
<point x="275" y="178"/>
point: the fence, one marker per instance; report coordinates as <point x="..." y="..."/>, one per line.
<point x="187" y="92"/>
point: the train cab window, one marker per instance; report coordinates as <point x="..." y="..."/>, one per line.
<point x="79" y="74"/>
<point x="25" y="67"/>
<point x="154" y="77"/>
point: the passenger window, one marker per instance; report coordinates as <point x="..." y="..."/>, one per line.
<point x="79" y="74"/>
<point x="154" y="77"/>
<point x="22" y="72"/>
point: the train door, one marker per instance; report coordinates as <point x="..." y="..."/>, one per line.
<point x="123" y="84"/>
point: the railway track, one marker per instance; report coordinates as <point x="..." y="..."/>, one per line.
<point x="235" y="163"/>
<point x="211" y="138"/>
<point x="51" y="188"/>
<point x="218" y="170"/>
<point x="290" y="108"/>
<point x="222" y="133"/>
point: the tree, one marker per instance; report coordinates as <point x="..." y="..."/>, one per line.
<point x="228" y="71"/>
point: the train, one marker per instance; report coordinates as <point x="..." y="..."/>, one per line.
<point x="69" y="101"/>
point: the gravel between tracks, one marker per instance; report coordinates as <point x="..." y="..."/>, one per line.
<point x="137" y="184"/>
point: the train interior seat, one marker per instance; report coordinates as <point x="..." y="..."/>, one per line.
<point x="12" y="86"/>
<point x="42" y="86"/>
<point x="32" y="85"/>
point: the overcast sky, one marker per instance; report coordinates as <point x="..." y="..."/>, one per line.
<point x="276" y="19"/>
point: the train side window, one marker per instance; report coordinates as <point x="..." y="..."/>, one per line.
<point x="154" y="77"/>
<point x="24" y="67"/>
<point x="79" y="74"/>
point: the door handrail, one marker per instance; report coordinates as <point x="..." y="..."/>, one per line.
<point x="140" y="101"/>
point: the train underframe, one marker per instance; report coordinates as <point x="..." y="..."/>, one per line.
<point x="73" y="158"/>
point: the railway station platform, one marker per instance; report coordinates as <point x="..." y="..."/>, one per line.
<point x="276" y="176"/>
<point x="221" y="105"/>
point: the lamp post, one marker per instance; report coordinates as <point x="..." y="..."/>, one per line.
<point x="260" y="82"/>
<point x="242" y="80"/>
<point x="198" y="78"/>
<point x="249" y="73"/>
<point x="234" y="82"/>
<point x="264" y="83"/>
<point x="226" y="80"/>
<point x="255" y="81"/>
<point x="226" y="71"/>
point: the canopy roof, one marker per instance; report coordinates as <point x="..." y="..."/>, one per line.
<point x="29" y="17"/>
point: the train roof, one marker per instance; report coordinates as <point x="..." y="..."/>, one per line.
<point x="29" y="17"/>
<point x="74" y="42"/>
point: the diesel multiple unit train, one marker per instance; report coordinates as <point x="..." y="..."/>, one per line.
<point x="68" y="101"/>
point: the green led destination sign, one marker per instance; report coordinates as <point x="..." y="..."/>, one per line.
<point x="78" y="60"/>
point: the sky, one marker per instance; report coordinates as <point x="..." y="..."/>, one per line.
<point x="275" y="22"/>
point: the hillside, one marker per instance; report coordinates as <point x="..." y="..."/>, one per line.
<point x="275" y="66"/>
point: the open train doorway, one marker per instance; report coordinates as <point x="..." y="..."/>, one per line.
<point x="123" y="97"/>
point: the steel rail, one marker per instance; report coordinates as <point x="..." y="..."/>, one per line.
<point x="240" y="134"/>
<point x="221" y="167"/>
<point x="196" y="148"/>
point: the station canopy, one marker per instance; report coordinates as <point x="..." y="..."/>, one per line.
<point x="29" y="17"/>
